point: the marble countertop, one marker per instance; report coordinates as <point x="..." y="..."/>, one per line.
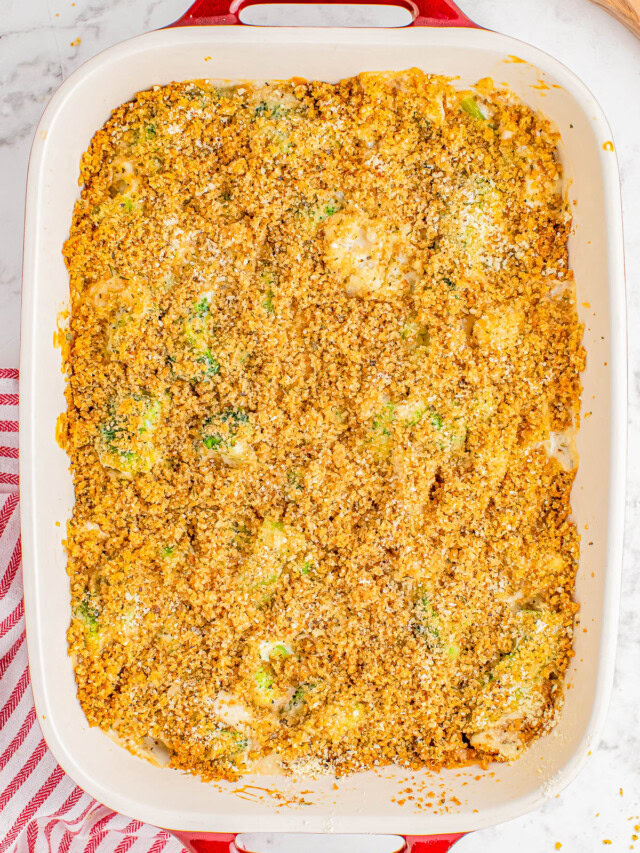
<point x="43" y="41"/>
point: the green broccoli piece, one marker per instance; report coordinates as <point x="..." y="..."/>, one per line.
<point x="470" y="106"/>
<point x="428" y="624"/>
<point x="212" y="441"/>
<point x="202" y="307"/>
<point x="267" y="302"/>
<point x="234" y="416"/>
<point x="87" y="612"/>
<point x="232" y="419"/>
<point x="294" y="480"/>
<point x="226" y="743"/>
<point x="381" y="423"/>
<point x="269" y="110"/>
<point x="212" y="364"/>
<point x="300" y="697"/>
<point x="125" y="438"/>
<point x="437" y="420"/>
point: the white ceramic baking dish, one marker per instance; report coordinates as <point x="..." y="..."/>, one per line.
<point x="367" y="802"/>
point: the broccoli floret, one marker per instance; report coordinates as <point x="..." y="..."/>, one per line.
<point x="410" y="412"/>
<point x="267" y="302"/>
<point x="434" y="630"/>
<point x="234" y="416"/>
<point x="88" y="613"/>
<point x="298" y="696"/>
<point x="125" y="438"/>
<point x="225" y="743"/>
<point x="202" y="307"/>
<point x="280" y="651"/>
<point x="227" y="434"/>
<point x="516" y="686"/>
<point x="264" y="684"/>
<point x="269" y="110"/>
<point x="190" y="355"/>
<point x="212" y="365"/>
<point x="276" y="549"/>
<point x="321" y="212"/>
<point x="416" y="335"/>
<point x="212" y="441"/>
<point x="470" y="106"/>
<point x="428" y="625"/>
<point x="452" y="431"/>
<point x="437" y="421"/>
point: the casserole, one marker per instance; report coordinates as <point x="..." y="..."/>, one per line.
<point x="366" y="802"/>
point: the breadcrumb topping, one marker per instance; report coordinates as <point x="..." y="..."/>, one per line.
<point x="323" y="376"/>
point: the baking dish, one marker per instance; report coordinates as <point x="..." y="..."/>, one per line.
<point x="443" y="41"/>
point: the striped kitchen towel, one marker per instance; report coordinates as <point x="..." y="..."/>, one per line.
<point x="41" y="808"/>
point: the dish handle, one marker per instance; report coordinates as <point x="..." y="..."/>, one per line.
<point x="425" y="13"/>
<point x="212" y="842"/>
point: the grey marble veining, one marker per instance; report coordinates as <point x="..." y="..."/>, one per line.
<point x="39" y="48"/>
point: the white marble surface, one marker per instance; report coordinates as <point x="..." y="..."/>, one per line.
<point x="39" y="48"/>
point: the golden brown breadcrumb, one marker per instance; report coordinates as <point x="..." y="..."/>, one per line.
<point x="323" y="374"/>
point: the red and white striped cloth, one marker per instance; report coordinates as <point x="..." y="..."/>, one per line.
<point x="41" y="809"/>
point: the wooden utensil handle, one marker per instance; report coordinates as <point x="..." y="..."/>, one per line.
<point x="626" y="11"/>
